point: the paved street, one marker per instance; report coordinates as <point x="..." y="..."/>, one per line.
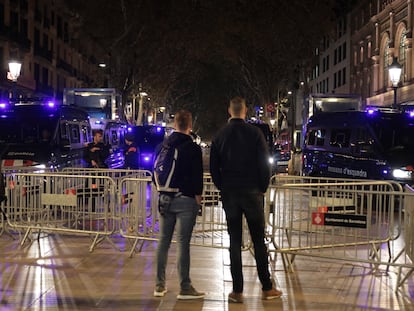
<point x="59" y="273"/>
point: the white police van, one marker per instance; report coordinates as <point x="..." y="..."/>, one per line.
<point x="42" y="134"/>
<point x="372" y="144"/>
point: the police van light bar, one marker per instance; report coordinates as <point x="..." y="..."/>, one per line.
<point x="3" y="105"/>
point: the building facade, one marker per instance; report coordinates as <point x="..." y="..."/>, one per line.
<point x="382" y="30"/>
<point x="356" y="56"/>
<point x="331" y="71"/>
<point x="45" y="37"/>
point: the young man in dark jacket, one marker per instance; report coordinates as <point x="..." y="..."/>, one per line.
<point x="131" y="153"/>
<point x="240" y="170"/>
<point x="188" y="178"/>
<point x="96" y="152"/>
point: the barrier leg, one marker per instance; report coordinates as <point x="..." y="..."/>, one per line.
<point x="400" y="281"/>
<point x="134" y="245"/>
<point x="5" y="222"/>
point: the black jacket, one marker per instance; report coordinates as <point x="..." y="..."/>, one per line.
<point x="188" y="176"/>
<point x="99" y="156"/>
<point x="131" y="157"/>
<point x="239" y="158"/>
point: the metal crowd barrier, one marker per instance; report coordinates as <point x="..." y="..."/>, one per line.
<point x="348" y="220"/>
<point x="351" y="220"/>
<point x="139" y="214"/>
<point x="49" y="202"/>
<point x="405" y="258"/>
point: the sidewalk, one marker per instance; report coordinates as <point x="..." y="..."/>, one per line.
<point x="59" y="273"/>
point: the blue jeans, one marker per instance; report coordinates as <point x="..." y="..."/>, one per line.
<point x="182" y="215"/>
<point x="235" y="204"/>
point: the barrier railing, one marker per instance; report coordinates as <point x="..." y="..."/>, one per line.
<point x="405" y="258"/>
<point x="62" y="203"/>
<point x="139" y="214"/>
<point x="348" y="220"/>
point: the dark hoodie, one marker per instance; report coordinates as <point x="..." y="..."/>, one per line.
<point x="188" y="175"/>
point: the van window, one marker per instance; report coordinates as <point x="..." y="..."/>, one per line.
<point x="85" y="132"/>
<point x="64" y="130"/>
<point x="74" y="134"/>
<point x="316" y="137"/>
<point x="114" y="139"/>
<point x="340" y="138"/>
<point x="363" y="136"/>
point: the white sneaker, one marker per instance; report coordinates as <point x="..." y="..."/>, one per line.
<point x="160" y="291"/>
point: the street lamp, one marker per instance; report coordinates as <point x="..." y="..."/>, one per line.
<point x="394" y="71"/>
<point x="13" y="74"/>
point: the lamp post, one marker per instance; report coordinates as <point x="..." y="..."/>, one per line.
<point x="394" y="71"/>
<point x="13" y="74"/>
<point x="272" y="123"/>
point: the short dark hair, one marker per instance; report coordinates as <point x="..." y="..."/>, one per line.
<point x="236" y="105"/>
<point x="129" y="137"/>
<point x="97" y="131"/>
<point x="183" y="119"/>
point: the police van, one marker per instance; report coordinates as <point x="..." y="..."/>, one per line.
<point x="147" y="138"/>
<point x="373" y="144"/>
<point x="275" y="154"/>
<point x="114" y="135"/>
<point x="42" y="134"/>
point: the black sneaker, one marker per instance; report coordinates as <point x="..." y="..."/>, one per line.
<point x="190" y="293"/>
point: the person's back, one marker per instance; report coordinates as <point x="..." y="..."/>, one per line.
<point x="243" y="157"/>
<point x="239" y="168"/>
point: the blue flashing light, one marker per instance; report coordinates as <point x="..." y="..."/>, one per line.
<point x="411" y="114"/>
<point x="370" y="111"/>
<point x="51" y="104"/>
<point x="129" y="129"/>
<point x="385" y="172"/>
<point x="3" y="105"/>
<point x="98" y="122"/>
<point x="159" y="129"/>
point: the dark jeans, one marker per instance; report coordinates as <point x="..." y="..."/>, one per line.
<point x="235" y="204"/>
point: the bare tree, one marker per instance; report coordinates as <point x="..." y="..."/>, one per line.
<point x="178" y="49"/>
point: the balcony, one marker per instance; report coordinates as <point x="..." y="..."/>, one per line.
<point x="60" y="64"/>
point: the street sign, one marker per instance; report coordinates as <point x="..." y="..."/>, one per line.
<point x="340" y="220"/>
<point x="270" y="108"/>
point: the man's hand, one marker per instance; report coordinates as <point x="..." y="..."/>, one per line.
<point x="198" y="199"/>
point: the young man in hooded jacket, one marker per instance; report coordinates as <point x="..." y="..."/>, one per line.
<point x="183" y="209"/>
